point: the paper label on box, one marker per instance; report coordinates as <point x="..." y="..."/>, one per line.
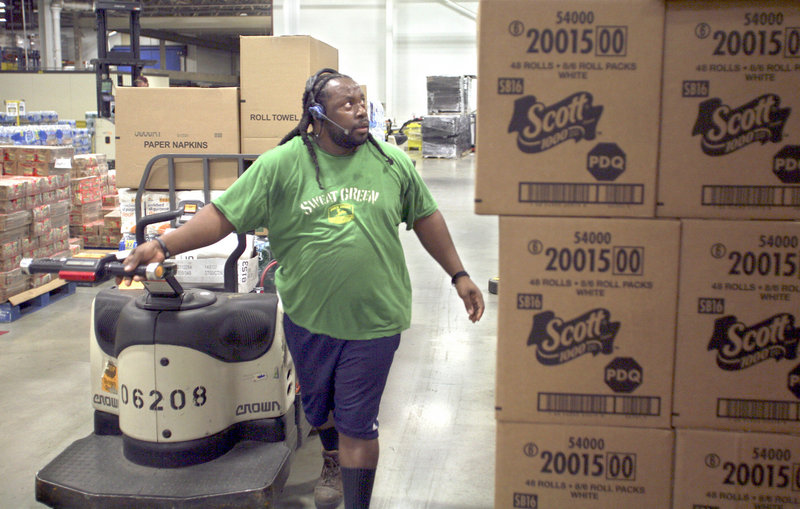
<point x="212" y="271"/>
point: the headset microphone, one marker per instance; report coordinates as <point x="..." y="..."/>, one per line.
<point x="317" y="112"/>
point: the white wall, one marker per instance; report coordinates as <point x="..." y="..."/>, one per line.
<point x="210" y="61"/>
<point x="430" y="38"/>
<point x="70" y="94"/>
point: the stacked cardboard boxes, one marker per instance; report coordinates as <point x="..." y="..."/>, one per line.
<point x="568" y="133"/>
<point x="35" y="160"/>
<point x="727" y="198"/>
<point x="729" y="169"/>
<point x="14" y="226"/>
<point x="94" y="198"/>
<point x="34" y="211"/>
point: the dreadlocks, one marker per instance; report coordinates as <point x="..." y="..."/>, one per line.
<point x="315" y="93"/>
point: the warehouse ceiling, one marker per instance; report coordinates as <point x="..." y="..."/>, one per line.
<point x="209" y="23"/>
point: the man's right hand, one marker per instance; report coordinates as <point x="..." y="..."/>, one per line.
<point x="149" y="252"/>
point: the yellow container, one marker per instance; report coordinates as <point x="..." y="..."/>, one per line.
<point x="414" y="133"/>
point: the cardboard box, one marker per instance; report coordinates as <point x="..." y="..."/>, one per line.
<point x="582" y="467"/>
<point x="568" y="99"/>
<point x="259" y="145"/>
<point x="728" y="470"/>
<point x="586" y="320"/>
<point x="736" y="364"/>
<point x="273" y="75"/>
<point x="730" y="135"/>
<point x="155" y="121"/>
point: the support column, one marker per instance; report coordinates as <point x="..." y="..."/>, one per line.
<point x="55" y="8"/>
<point x="46" y="33"/>
<point x="389" y="59"/>
<point x="291" y="17"/>
<point x="78" y="40"/>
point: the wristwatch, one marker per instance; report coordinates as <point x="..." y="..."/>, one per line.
<point x="457" y="275"/>
<point x="164" y="247"/>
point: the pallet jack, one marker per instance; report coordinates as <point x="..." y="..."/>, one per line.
<point x="194" y="394"/>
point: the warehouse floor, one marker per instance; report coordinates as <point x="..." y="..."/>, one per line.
<point x="437" y="418"/>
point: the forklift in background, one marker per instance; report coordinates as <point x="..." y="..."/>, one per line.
<point x="103" y="64"/>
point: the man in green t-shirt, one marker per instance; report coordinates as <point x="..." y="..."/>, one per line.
<point x="332" y="200"/>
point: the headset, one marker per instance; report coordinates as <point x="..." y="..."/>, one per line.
<point x="315" y="109"/>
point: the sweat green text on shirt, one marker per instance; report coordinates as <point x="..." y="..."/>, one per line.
<point x="342" y="271"/>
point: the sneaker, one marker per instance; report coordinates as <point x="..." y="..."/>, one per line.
<point x="328" y="492"/>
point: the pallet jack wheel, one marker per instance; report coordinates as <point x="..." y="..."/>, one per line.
<point x="494" y="282"/>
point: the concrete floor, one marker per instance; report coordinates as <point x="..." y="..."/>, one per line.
<point x="437" y="417"/>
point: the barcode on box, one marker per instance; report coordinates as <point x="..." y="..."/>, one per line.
<point x="751" y="196"/>
<point x="599" y="404"/>
<point x="757" y="409"/>
<point x="554" y="192"/>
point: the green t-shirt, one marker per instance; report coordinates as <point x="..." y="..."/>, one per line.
<point x="341" y="271"/>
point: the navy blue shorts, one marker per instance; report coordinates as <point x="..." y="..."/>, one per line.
<point x="346" y="377"/>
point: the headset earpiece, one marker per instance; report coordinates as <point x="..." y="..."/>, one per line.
<point x="317" y="110"/>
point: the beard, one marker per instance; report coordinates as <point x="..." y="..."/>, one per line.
<point x="343" y="140"/>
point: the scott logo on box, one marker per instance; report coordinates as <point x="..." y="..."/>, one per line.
<point x="740" y="346"/>
<point x="726" y="130"/>
<point x="540" y="127"/>
<point x="559" y="341"/>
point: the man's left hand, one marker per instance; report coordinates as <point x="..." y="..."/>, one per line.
<point x="472" y="297"/>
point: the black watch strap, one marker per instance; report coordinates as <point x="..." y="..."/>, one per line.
<point x="460" y="273"/>
<point x="163" y="246"/>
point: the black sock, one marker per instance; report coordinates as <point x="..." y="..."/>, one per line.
<point x="329" y="438"/>
<point x="357" y="484"/>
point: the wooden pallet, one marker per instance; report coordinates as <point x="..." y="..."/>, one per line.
<point x="36" y="298"/>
